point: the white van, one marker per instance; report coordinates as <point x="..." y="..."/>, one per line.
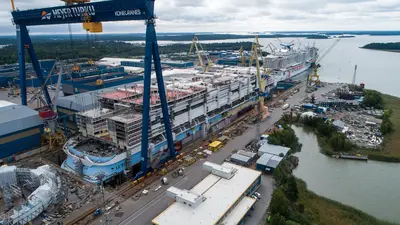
<point x="285" y="106"/>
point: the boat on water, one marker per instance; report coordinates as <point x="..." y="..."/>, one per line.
<point x="351" y="156"/>
<point x="290" y="60"/>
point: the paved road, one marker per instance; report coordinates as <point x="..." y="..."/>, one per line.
<point x="147" y="207"/>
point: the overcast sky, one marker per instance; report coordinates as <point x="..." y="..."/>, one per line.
<point x="240" y="16"/>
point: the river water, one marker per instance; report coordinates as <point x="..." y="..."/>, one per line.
<point x="372" y="186"/>
<point x="377" y="69"/>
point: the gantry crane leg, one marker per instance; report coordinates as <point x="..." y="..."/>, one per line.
<point x="25" y="42"/>
<point x="152" y="52"/>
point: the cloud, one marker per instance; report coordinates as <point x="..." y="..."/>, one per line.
<point x="239" y="16"/>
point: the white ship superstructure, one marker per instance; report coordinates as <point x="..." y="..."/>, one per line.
<point x="199" y="104"/>
<point x="290" y="61"/>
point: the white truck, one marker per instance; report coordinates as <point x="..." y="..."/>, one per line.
<point x="285" y="106"/>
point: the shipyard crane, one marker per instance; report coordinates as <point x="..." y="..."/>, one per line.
<point x="91" y="15"/>
<point x="199" y="49"/>
<point x="262" y="110"/>
<point x="242" y="56"/>
<point x="314" y="77"/>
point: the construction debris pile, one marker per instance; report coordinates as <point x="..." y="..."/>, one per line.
<point x="343" y="106"/>
<point x="236" y="130"/>
<point x="363" y="130"/>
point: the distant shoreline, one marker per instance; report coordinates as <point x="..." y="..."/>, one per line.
<point x="387" y="47"/>
<point x="383" y="50"/>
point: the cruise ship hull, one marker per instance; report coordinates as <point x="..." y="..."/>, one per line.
<point x="290" y="72"/>
<point x="203" y="107"/>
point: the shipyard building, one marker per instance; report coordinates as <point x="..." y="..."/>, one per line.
<point x="220" y="198"/>
<point x="20" y="129"/>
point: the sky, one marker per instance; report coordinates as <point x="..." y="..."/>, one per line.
<point x="236" y="16"/>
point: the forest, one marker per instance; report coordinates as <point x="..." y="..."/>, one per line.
<point x="4" y="40"/>
<point x="95" y="49"/>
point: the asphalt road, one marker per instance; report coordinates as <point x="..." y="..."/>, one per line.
<point x="147" y="207"/>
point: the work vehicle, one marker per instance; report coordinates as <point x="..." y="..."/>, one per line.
<point x="285" y="106"/>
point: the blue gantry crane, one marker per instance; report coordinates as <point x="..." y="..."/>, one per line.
<point x="91" y="14"/>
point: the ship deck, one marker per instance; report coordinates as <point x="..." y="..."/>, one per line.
<point x="96" y="148"/>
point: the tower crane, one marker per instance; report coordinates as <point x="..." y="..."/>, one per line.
<point x="314" y="77"/>
<point x="199" y="49"/>
<point x="91" y="15"/>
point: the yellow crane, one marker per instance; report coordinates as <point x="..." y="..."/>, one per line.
<point x="262" y="109"/>
<point x="197" y="45"/>
<point x="242" y="56"/>
<point x="314" y="77"/>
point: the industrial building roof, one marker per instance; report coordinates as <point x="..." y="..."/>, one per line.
<point x="274" y="161"/>
<point x="14" y="118"/>
<point x="263" y="160"/>
<point x="241" y="158"/>
<point x="83" y="101"/>
<point x="272" y="149"/>
<point x="5" y="103"/>
<point x="220" y="195"/>
<point x="239" y="211"/>
<point x="247" y="153"/>
<point x="339" y="124"/>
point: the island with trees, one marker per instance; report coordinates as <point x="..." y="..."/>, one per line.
<point x="390" y="47"/>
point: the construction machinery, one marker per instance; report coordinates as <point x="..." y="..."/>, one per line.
<point x="199" y="51"/>
<point x="354" y="75"/>
<point x="262" y="109"/>
<point x="314" y="77"/>
<point x="242" y="58"/>
<point x="91" y="14"/>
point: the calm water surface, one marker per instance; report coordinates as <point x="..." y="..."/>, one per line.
<point x="372" y="186"/>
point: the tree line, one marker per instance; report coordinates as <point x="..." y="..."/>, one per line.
<point x="383" y="46"/>
<point x="65" y="50"/>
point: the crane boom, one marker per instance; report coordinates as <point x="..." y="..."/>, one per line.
<point x="196" y="44"/>
<point x="314" y="76"/>
<point x="328" y="50"/>
<point x="262" y="110"/>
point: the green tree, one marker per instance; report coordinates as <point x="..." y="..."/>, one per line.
<point x="373" y="98"/>
<point x="325" y="129"/>
<point x="339" y="143"/>
<point x="282" y="172"/>
<point x="278" y="219"/>
<point x="387" y="113"/>
<point x="279" y="203"/>
<point x="291" y="222"/>
<point x="291" y="191"/>
<point x="386" y="127"/>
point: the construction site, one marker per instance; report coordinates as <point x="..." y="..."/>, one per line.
<point x="94" y="140"/>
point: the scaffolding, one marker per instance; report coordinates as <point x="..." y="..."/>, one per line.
<point x="46" y="186"/>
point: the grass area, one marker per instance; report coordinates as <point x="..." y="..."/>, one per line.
<point x="324" y="211"/>
<point x="392" y="142"/>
